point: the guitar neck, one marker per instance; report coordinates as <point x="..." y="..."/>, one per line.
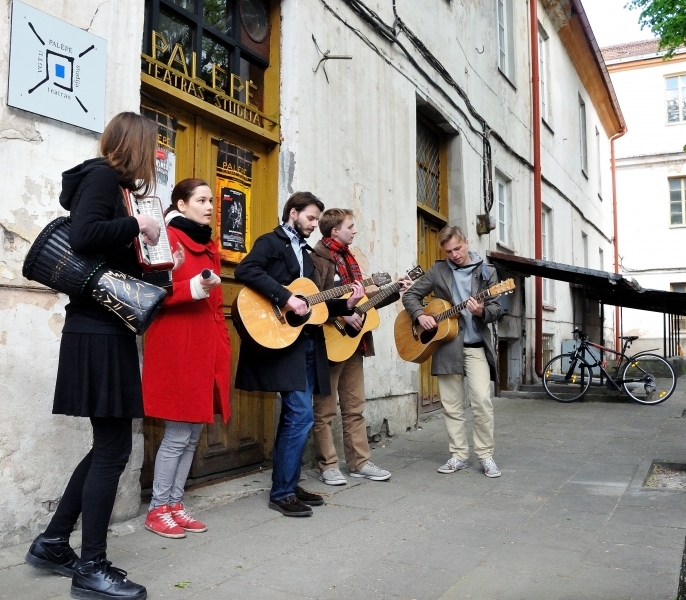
<point x="360" y="309"/>
<point x="455" y="310"/>
<point x="336" y="292"/>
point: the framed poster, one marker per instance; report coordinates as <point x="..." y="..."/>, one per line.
<point x="165" y="154"/>
<point x="233" y="198"/>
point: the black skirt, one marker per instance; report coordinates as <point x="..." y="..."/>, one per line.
<point x="98" y="376"/>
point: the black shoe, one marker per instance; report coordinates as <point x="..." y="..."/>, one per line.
<point x="99" y="579"/>
<point x="52" y="553"/>
<point x="308" y="498"/>
<point x="291" y="507"/>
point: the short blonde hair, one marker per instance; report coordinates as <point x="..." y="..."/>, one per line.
<point x="449" y="232"/>
<point x="333" y="218"/>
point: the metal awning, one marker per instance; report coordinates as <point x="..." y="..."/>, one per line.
<point x="608" y="288"/>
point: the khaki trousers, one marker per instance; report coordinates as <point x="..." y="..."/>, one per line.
<point x="347" y="388"/>
<point x="451" y="389"/>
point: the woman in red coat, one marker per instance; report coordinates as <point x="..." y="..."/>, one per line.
<point x="187" y="357"/>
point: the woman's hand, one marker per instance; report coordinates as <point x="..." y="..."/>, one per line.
<point x="211" y="283"/>
<point x="149" y="229"/>
<point x="179" y="256"/>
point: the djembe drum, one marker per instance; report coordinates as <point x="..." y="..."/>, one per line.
<point x="52" y="262"/>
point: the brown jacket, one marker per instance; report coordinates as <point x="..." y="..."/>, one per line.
<point x="324" y="273"/>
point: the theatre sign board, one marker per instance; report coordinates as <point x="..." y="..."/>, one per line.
<point x="56" y="69"/>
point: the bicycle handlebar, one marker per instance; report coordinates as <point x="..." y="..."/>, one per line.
<point x="580" y="333"/>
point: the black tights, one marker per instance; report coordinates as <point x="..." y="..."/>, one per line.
<point x="92" y="489"/>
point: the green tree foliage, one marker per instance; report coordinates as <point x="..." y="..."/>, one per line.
<point x="666" y="19"/>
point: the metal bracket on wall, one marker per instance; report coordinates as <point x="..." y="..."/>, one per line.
<point x="326" y="56"/>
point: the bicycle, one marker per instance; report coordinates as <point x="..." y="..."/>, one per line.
<point x="646" y="378"/>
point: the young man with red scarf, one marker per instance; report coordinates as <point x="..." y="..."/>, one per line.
<point x="335" y="265"/>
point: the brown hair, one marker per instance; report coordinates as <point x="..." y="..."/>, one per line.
<point x="449" y="232"/>
<point x="300" y="201"/>
<point x="332" y="219"/>
<point x="183" y="191"/>
<point x="128" y="143"/>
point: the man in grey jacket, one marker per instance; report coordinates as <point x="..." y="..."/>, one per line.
<point x="458" y="278"/>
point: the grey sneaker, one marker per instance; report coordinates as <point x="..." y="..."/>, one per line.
<point x="371" y="471"/>
<point x="490" y="468"/>
<point x="453" y="464"/>
<point x="332" y="477"/>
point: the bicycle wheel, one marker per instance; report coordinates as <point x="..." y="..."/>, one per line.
<point x="648" y="379"/>
<point x="564" y="382"/>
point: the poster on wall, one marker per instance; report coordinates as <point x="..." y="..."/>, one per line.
<point x="165" y="155"/>
<point x="232" y="200"/>
<point x="233" y="189"/>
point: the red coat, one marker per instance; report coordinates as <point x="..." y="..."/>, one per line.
<point x="187" y="356"/>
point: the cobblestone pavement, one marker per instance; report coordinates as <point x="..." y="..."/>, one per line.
<point x="567" y="520"/>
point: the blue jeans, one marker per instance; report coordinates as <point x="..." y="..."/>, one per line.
<point x="295" y="423"/>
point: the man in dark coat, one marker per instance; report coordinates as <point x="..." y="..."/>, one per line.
<point x="470" y="355"/>
<point x="276" y="260"/>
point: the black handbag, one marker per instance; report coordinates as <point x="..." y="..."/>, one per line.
<point x="52" y="262"/>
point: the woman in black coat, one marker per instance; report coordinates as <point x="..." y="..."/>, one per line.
<point x="98" y="374"/>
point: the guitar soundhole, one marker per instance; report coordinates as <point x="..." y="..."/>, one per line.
<point x="426" y="336"/>
<point x="297" y="320"/>
<point x="351" y="331"/>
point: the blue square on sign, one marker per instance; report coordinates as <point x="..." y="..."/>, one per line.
<point x="59" y="71"/>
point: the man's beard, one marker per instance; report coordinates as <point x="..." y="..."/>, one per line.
<point x="299" y="229"/>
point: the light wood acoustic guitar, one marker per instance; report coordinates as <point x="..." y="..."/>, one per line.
<point x="342" y="339"/>
<point x="271" y="327"/>
<point x="416" y="344"/>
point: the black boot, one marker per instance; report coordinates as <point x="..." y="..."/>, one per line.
<point x="52" y="553"/>
<point x="99" y="579"/>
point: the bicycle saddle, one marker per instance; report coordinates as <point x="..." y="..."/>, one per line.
<point x="631" y="338"/>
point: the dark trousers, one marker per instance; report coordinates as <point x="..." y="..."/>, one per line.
<point x="92" y="489"/>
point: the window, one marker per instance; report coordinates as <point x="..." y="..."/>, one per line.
<point x="676" y="201"/>
<point x="428" y="166"/>
<point x="600" y="170"/>
<point x="213" y="41"/>
<point x="546" y="251"/>
<point x="583" y="148"/>
<point x="584" y="249"/>
<point x="543" y="70"/>
<point x="502" y="192"/>
<point x="505" y="37"/>
<point x="548" y="347"/>
<point x="676" y="99"/>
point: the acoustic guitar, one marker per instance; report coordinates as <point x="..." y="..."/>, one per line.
<point x="269" y="326"/>
<point x="416" y="344"/>
<point x="342" y="339"/>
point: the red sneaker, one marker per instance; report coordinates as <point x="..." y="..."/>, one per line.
<point x="184" y="520"/>
<point x="161" y="522"/>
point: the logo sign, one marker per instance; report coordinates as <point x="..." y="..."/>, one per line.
<point x="56" y="70"/>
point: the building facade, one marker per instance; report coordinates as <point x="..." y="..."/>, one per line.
<point x="651" y="177"/>
<point x="414" y="115"/>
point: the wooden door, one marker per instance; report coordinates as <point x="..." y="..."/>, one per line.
<point x="428" y="253"/>
<point x="248" y="436"/>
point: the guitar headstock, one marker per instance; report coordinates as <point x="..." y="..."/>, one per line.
<point x="504" y="287"/>
<point x="380" y="279"/>
<point x="415" y="273"/>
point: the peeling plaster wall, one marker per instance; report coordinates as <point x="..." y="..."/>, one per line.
<point x="38" y="451"/>
<point x="352" y="141"/>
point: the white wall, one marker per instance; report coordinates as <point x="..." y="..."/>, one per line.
<point x="37" y="450"/>
<point x="647" y="156"/>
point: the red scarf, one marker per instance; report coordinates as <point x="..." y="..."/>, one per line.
<point x="346" y="265"/>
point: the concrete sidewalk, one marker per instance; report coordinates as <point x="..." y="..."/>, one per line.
<point x="567" y="520"/>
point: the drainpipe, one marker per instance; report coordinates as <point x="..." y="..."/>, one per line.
<point x="538" y="204"/>
<point x="615" y="237"/>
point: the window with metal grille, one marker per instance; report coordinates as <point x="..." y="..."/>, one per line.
<point x="548" y="349"/>
<point x="428" y="167"/>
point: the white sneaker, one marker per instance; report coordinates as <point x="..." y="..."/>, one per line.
<point x="332" y="477"/>
<point x="453" y="464"/>
<point x="371" y="471"/>
<point x="490" y="468"/>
